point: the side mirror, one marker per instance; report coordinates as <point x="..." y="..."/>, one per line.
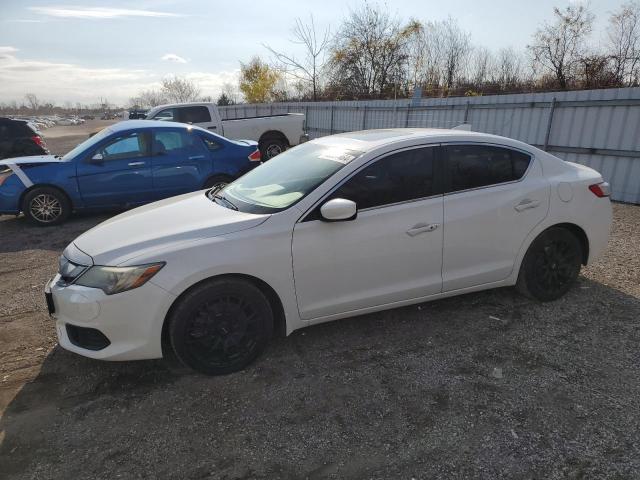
<point x="339" y="210"/>
<point x="97" y="158"/>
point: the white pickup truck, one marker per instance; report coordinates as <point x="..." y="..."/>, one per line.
<point x="274" y="133"/>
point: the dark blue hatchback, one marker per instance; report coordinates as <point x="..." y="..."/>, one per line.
<point x="125" y="165"/>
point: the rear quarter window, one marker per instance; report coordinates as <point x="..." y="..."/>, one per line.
<point x="476" y="166"/>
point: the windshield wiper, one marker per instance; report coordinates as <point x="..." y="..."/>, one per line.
<point x="227" y="203"/>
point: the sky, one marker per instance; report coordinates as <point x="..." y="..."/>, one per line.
<point x="66" y="51"/>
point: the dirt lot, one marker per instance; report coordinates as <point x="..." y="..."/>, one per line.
<point x="487" y="385"/>
<point x="60" y="140"/>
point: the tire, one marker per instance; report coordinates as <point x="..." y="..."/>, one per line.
<point x="221" y="326"/>
<point x="46" y="206"/>
<point x="551" y="265"/>
<point x="217" y="182"/>
<point x="272" y="146"/>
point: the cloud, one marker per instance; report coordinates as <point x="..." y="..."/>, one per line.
<point x="24" y="20"/>
<point x="172" y="57"/>
<point x="62" y="82"/>
<point x="99" y="13"/>
<point x="7" y="52"/>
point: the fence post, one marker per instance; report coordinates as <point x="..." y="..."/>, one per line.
<point x="406" y="120"/>
<point x="331" y="125"/>
<point x="364" y="118"/>
<point x="305" y="124"/>
<point x="549" y="124"/>
<point x="271" y="109"/>
<point x="466" y="112"/>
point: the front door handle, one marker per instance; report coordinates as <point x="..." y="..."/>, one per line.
<point x="136" y="164"/>
<point x="196" y="157"/>
<point x="526" y="204"/>
<point x="213" y="128"/>
<point x="422" y="228"/>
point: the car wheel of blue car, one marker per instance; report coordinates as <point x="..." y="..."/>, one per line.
<point x="46" y="206"/>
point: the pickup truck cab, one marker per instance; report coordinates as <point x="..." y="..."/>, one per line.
<point x="274" y="133"/>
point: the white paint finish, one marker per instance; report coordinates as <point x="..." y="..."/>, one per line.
<point x="565" y="192"/>
<point x="387" y="257"/>
<point x="344" y="266"/>
<point x="484" y="229"/>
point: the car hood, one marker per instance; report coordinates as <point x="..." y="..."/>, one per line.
<point x="161" y="224"/>
<point x="31" y="160"/>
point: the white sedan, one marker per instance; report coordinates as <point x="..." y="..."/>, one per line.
<point x="337" y="227"/>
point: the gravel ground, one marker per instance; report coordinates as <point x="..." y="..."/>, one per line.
<point x="486" y="385"/>
<point x="60" y="140"/>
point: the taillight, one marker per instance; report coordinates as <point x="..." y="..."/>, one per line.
<point x="37" y="139"/>
<point x="601" y="189"/>
<point x="255" y="156"/>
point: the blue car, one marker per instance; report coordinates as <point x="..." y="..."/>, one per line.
<point x="125" y="165"/>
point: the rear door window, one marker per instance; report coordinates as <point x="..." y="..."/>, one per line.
<point x="476" y="166"/>
<point x="195" y="114"/>
<point x="174" y="141"/>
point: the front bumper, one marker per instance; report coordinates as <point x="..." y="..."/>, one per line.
<point x="131" y="321"/>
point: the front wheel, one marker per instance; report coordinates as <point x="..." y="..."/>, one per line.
<point x="221" y="326"/>
<point x="551" y="265"/>
<point x="46" y="206"/>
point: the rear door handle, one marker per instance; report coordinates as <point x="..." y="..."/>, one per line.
<point x="422" y="228"/>
<point x="136" y="164"/>
<point x="212" y="128"/>
<point x="196" y="157"/>
<point x="527" y="204"/>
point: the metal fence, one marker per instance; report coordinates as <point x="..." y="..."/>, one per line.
<point x="598" y="128"/>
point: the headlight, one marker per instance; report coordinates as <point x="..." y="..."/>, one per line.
<point x="118" y="279"/>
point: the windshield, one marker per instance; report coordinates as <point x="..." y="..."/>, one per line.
<point x="287" y="178"/>
<point x="88" y="143"/>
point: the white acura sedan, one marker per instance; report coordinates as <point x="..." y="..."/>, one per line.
<point x="336" y="227"/>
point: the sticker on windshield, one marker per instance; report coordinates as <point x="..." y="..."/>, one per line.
<point x="339" y="155"/>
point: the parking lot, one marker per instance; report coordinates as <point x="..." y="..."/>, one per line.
<point x="487" y="385"/>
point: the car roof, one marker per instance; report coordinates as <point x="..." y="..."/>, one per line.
<point x="365" y="140"/>
<point x="129" y="124"/>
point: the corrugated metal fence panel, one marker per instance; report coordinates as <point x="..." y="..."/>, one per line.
<point x="586" y="126"/>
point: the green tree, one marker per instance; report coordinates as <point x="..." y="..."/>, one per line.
<point x="257" y="81"/>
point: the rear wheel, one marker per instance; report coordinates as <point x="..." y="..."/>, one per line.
<point x="221" y="326"/>
<point x="272" y="146"/>
<point x="551" y="265"/>
<point x="46" y="206"/>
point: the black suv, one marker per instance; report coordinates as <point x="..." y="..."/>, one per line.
<point x="19" y="139"/>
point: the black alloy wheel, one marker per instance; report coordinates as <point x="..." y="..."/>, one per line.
<point x="221" y="326"/>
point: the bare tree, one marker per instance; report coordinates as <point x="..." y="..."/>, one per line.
<point x="152" y="98"/>
<point x="481" y="66"/>
<point x="369" y="54"/>
<point x="624" y="43"/>
<point x="231" y="91"/>
<point x="310" y="66"/>
<point x="32" y="101"/>
<point x="557" y="47"/>
<point x="180" y="90"/>
<point x="456" y="48"/>
<point x="509" y="68"/>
